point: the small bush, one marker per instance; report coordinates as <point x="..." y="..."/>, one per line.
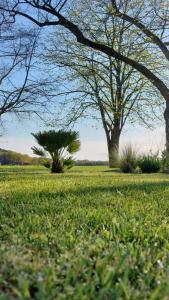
<point x="128" y="160"/>
<point x="149" y="164"/>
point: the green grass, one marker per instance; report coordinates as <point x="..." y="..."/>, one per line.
<point x="87" y="234"/>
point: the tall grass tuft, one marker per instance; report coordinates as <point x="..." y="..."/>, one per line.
<point x="128" y="159"/>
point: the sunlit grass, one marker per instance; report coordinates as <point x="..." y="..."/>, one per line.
<point x="87" y="234"/>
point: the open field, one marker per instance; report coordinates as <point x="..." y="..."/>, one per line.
<point x="87" y="234"/>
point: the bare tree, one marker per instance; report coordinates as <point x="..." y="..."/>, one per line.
<point x="54" y="13"/>
<point x="20" y="90"/>
<point x="98" y="86"/>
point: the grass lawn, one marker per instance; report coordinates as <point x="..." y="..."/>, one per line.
<point x="87" y="234"/>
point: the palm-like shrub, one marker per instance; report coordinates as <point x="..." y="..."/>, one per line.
<point x="59" y="145"/>
<point x="128" y="159"/>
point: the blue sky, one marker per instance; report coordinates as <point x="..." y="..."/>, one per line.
<point x="17" y="136"/>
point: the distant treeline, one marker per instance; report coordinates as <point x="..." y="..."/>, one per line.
<point x="91" y="163"/>
<point x="8" y="157"/>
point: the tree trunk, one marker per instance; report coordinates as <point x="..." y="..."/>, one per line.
<point x="113" y="147"/>
<point x="166" y="117"/>
<point x="57" y="167"/>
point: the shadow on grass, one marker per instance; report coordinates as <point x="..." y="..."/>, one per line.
<point x="131" y="189"/>
<point x="112" y="171"/>
<point x="96" y="192"/>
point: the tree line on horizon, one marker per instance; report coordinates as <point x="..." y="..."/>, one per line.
<point x="9" y="157"/>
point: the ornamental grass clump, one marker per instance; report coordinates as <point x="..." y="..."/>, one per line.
<point x="128" y="159"/>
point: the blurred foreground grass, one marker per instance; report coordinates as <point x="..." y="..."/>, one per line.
<point x="90" y="233"/>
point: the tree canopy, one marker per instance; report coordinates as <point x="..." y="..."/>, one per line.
<point x="149" y="18"/>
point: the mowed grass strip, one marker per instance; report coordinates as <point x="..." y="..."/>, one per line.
<point x="87" y="234"/>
